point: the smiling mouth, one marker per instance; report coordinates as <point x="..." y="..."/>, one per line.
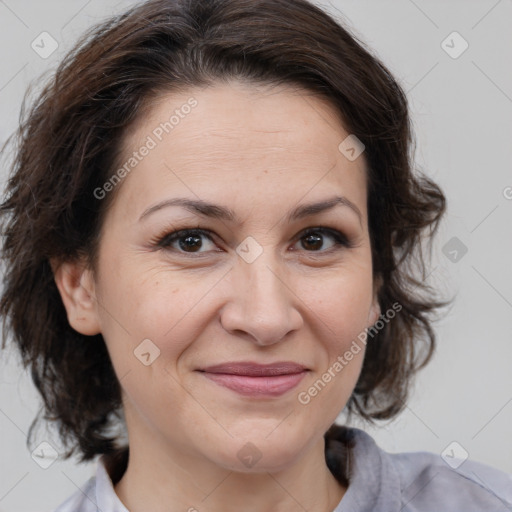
<point x="256" y="380"/>
<point x="257" y="386"/>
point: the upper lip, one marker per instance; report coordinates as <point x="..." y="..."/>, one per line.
<point x="255" y="369"/>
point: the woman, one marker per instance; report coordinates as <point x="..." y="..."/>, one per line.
<point x="210" y="236"/>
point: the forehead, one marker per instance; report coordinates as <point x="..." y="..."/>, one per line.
<point x="279" y="141"/>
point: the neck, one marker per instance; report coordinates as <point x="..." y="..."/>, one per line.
<point x="158" y="480"/>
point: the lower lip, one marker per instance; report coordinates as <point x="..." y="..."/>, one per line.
<point x="275" y="385"/>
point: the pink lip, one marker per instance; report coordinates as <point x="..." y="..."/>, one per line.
<point x="253" y="379"/>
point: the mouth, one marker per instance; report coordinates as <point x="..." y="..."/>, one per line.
<point x="256" y="380"/>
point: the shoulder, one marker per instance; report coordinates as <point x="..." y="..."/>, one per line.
<point x="413" y="482"/>
<point x="428" y="480"/>
<point x="82" y="500"/>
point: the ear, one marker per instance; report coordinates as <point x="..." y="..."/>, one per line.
<point x="76" y="287"/>
<point x="375" y="310"/>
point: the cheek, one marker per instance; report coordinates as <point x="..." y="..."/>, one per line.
<point x="341" y="300"/>
<point x="339" y="307"/>
<point x="148" y="322"/>
<point x="155" y="304"/>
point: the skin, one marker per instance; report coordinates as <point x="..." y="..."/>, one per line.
<point x="260" y="151"/>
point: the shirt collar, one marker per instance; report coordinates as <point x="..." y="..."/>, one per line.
<point x="374" y="483"/>
<point x="106" y="497"/>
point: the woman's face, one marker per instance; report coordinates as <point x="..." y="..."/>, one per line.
<point x="252" y="287"/>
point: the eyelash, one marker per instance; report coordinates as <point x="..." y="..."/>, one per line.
<point x="165" y="241"/>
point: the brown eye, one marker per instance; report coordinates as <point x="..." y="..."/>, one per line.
<point x="188" y="241"/>
<point x="313" y="240"/>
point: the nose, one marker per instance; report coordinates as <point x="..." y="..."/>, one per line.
<point x="261" y="303"/>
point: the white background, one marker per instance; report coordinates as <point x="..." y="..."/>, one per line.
<point x="462" y="114"/>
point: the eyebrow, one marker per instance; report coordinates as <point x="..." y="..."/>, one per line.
<point x="215" y="211"/>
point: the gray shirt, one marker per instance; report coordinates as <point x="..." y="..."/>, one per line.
<point x="377" y="481"/>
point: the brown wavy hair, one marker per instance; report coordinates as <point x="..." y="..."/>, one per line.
<point x="68" y="143"/>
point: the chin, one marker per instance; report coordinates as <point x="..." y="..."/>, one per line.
<point x="268" y="463"/>
<point x="261" y="455"/>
